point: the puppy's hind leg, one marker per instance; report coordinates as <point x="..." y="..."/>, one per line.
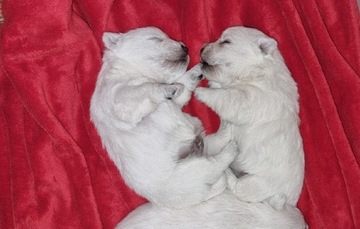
<point x="203" y="175"/>
<point x="214" y="143"/>
<point x="251" y="188"/>
<point x="223" y="159"/>
<point x="220" y="164"/>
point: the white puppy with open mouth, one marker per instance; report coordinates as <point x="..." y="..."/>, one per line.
<point x="136" y="109"/>
<point x="252" y="91"/>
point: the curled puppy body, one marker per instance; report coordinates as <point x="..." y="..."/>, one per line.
<point x="222" y="211"/>
<point x="136" y="109"/>
<point x="252" y="91"/>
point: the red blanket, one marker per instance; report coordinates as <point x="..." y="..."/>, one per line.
<point x="53" y="170"/>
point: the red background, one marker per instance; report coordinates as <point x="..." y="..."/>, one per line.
<point x="53" y="170"/>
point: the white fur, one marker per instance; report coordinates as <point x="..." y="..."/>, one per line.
<point x="254" y="94"/>
<point x="136" y="108"/>
<point x="221" y="212"/>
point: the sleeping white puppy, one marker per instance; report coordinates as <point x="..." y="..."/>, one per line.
<point x="220" y="212"/>
<point x="136" y="109"/>
<point x="252" y="91"/>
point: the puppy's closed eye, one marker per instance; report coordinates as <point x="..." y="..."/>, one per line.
<point x="157" y="39"/>
<point x="227" y="41"/>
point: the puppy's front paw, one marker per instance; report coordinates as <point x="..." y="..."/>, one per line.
<point x="213" y="84"/>
<point x="174" y="90"/>
<point x="200" y="93"/>
<point x="191" y="78"/>
<point x="195" y="74"/>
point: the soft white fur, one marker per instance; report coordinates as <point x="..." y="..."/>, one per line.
<point x="220" y="212"/>
<point x="136" y="108"/>
<point x="254" y="94"/>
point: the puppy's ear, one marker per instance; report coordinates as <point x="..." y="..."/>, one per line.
<point x="267" y="45"/>
<point x="110" y="39"/>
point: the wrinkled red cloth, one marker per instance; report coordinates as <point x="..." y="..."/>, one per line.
<point x="53" y="170"/>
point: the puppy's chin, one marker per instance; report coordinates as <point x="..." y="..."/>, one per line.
<point x="209" y="69"/>
<point x="210" y="72"/>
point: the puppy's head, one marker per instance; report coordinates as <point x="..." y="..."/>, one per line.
<point x="148" y="50"/>
<point x="239" y="53"/>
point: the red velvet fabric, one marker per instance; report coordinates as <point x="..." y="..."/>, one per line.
<point x="54" y="172"/>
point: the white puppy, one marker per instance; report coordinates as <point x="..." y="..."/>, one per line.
<point x="251" y="89"/>
<point x="220" y="212"/>
<point x="136" y="108"/>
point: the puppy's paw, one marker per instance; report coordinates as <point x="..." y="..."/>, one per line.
<point x="213" y="84"/>
<point x="195" y="74"/>
<point x="227" y="155"/>
<point x="191" y="78"/>
<point x="201" y="93"/>
<point x="231" y="180"/>
<point x="173" y="91"/>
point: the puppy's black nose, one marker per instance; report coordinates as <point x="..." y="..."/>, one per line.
<point x="184" y="48"/>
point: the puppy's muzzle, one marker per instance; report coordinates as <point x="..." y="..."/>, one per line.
<point x="204" y="63"/>
<point x="185" y="49"/>
<point x="185" y="52"/>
